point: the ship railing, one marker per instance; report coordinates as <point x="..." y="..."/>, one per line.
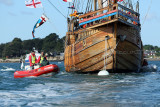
<point x="116" y="11"/>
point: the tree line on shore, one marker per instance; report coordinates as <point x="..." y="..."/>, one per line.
<point x="51" y="44"/>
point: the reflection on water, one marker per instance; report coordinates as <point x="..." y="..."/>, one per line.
<point x="66" y="89"/>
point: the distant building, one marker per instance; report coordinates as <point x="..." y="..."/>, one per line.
<point x="149" y="53"/>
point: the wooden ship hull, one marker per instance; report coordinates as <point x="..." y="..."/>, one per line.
<point x="85" y="49"/>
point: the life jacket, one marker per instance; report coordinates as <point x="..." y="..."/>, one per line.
<point x="33" y="59"/>
<point x="41" y="59"/>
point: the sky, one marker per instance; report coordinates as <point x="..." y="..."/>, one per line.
<point x="16" y="20"/>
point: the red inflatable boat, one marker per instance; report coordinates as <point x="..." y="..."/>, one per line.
<point x="37" y="72"/>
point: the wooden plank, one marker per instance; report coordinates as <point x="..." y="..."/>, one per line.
<point x="104" y="23"/>
<point x="94" y="38"/>
<point x="119" y="5"/>
<point x="99" y="66"/>
<point x="128" y="17"/>
<point x="112" y="21"/>
<point x="94" y="12"/>
<point x="129" y="24"/>
<point x="127" y="63"/>
<point x="90" y="41"/>
<point x="92" y="61"/>
<point x="91" y="13"/>
<point x="130" y="36"/>
<point x="92" y="51"/>
<point x="129" y="30"/>
<point x="84" y="20"/>
<point x="129" y="48"/>
<point x="112" y="14"/>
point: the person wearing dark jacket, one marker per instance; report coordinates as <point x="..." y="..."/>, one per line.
<point x="42" y="60"/>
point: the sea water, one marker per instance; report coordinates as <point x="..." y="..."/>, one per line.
<point x="80" y="90"/>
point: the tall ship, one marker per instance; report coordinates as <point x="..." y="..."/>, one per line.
<point x="105" y="36"/>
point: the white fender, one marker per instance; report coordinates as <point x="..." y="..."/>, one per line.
<point x="103" y="73"/>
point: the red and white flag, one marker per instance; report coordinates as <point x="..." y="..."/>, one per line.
<point x="120" y="0"/>
<point x="33" y="4"/>
<point x="42" y="20"/>
<point x="67" y="0"/>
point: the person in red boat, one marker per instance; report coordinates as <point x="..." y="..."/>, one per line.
<point x="32" y="59"/>
<point x="42" y="60"/>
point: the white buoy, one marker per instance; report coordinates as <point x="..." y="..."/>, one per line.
<point x="103" y="73"/>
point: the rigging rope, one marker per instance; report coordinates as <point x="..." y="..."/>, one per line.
<point x="57" y="9"/>
<point x="51" y="23"/>
<point x="91" y="5"/>
<point x="68" y="10"/>
<point x="82" y="6"/>
<point x="147" y="13"/>
<point x="78" y="4"/>
<point x="54" y="27"/>
<point x="87" y="6"/>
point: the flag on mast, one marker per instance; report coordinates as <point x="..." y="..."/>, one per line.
<point x="42" y="19"/>
<point x="67" y="0"/>
<point x="72" y="7"/>
<point x="33" y="4"/>
<point x="120" y="0"/>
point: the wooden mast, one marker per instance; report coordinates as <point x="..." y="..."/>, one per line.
<point x="95" y="5"/>
<point x="99" y="4"/>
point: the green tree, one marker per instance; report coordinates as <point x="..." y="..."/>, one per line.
<point x="16" y="45"/>
<point x="27" y="46"/>
<point x="7" y="50"/>
<point x="13" y="49"/>
<point x="148" y="47"/>
<point x="37" y="43"/>
<point x="50" y="42"/>
<point x="1" y="49"/>
<point x="60" y="45"/>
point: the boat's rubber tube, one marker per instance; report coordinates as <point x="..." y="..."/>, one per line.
<point x="37" y="72"/>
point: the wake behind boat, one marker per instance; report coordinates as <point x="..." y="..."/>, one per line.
<point x="5" y="68"/>
<point x="48" y="69"/>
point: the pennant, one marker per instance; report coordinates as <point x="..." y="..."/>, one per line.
<point x="75" y="14"/>
<point x="42" y="19"/>
<point x="33" y="4"/>
<point x="67" y="0"/>
<point x="72" y="7"/>
<point x="120" y="0"/>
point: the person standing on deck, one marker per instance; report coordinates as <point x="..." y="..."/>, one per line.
<point x="32" y="59"/>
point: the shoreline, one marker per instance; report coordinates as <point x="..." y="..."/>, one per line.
<point x="152" y="59"/>
<point x="59" y="59"/>
<point x="18" y="60"/>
